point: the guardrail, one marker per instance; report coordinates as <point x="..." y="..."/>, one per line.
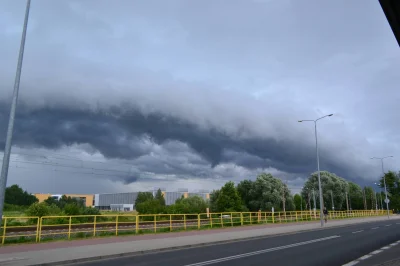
<point x="46" y="228"/>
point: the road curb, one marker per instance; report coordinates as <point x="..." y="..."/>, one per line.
<point x="167" y="249"/>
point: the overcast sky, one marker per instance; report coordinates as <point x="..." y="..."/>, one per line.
<point x="129" y="95"/>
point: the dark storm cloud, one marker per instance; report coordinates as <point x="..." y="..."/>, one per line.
<point x="115" y="132"/>
<point x="227" y="84"/>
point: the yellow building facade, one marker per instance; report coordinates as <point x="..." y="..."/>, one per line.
<point x="87" y="199"/>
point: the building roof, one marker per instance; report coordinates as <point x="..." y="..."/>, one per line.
<point x="391" y="8"/>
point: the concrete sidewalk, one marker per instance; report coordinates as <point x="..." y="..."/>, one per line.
<point x="57" y="253"/>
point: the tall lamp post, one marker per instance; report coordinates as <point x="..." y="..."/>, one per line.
<point x="321" y="200"/>
<point x="10" y="129"/>
<point x="384" y="181"/>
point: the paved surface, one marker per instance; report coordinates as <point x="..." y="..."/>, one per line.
<point x="330" y="246"/>
<point x="389" y="255"/>
<point x="335" y="246"/>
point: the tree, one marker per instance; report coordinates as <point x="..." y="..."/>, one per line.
<point x="393" y="187"/>
<point x="63" y="201"/>
<point x="369" y="197"/>
<point x="264" y="193"/>
<point x="152" y="206"/>
<point x="72" y="209"/>
<point x="143" y="197"/>
<point x="228" y="199"/>
<point x="213" y="200"/>
<point x="15" y="195"/>
<point x="355" y="196"/>
<point x="329" y="182"/>
<point x="160" y="197"/>
<point x="299" y="202"/>
<point x="193" y="204"/>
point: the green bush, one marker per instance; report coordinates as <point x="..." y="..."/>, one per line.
<point x="14" y="208"/>
<point x="38" y="210"/>
<point x="72" y="209"/>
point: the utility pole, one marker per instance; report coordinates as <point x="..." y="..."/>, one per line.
<point x="315" y="204"/>
<point x="333" y="206"/>
<point x="376" y="201"/>
<point x="350" y="202"/>
<point x="10" y="129"/>
<point x="372" y="200"/>
<point x="365" y="199"/>
<point x="301" y="203"/>
<point x="347" y="201"/>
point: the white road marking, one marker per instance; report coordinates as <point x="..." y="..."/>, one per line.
<point x="397" y="223"/>
<point x="358" y="231"/>
<point x="365" y="257"/>
<point x="388" y="225"/>
<point x="376" y="252"/>
<point x="244" y="255"/>
<point x="351" y="263"/>
<point x="374" y="228"/>
<point x="354" y="262"/>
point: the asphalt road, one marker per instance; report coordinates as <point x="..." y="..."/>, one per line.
<point x="334" y="246"/>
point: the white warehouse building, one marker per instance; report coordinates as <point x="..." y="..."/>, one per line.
<point x="126" y="201"/>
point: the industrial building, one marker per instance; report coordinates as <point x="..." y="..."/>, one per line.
<point x="88" y="200"/>
<point x="124" y="201"/>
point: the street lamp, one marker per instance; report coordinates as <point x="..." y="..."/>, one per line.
<point x="321" y="200"/>
<point x="384" y="181"/>
<point x="10" y="129"/>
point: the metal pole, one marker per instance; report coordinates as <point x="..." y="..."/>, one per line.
<point x="376" y="201"/>
<point x="365" y="199"/>
<point x="315" y="204"/>
<point x="7" y="148"/>
<point x="321" y="200"/>
<point x="333" y="206"/>
<point x="301" y="203"/>
<point x="386" y="194"/>
<point x="350" y="202"/>
<point x="347" y="201"/>
<point x="380" y="196"/>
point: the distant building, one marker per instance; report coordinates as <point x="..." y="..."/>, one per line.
<point x="116" y="201"/>
<point x="124" y="201"/>
<point x="88" y="200"/>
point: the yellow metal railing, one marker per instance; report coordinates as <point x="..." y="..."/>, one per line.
<point x="35" y="229"/>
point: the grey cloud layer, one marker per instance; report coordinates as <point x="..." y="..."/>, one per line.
<point x="120" y="76"/>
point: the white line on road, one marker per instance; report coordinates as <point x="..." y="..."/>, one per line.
<point x="376" y="252"/>
<point x="261" y="252"/>
<point x="354" y="262"/>
<point x="397" y="223"/>
<point x="351" y="263"/>
<point x="374" y="228"/>
<point x="388" y="225"/>
<point x="358" y="231"/>
<point x="364" y="257"/>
